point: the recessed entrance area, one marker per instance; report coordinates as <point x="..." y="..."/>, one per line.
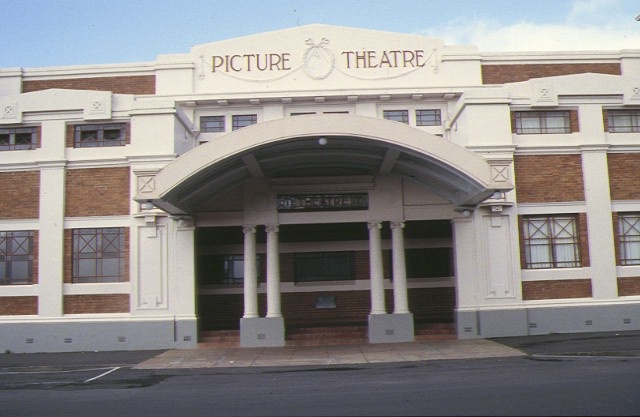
<point x="325" y="270"/>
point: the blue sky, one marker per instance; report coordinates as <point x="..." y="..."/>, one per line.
<point x="37" y="33"/>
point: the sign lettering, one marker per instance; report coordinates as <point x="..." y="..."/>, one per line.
<point x="323" y="202"/>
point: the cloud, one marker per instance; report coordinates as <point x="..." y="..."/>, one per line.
<point x="590" y="25"/>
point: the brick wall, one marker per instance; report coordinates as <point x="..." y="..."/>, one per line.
<point x="500" y="74"/>
<point x="97" y="192"/>
<point x="20" y="191"/>
<point x="428" y="305"/>
<point x="623" y="176"/>
<point x="18" y="306"/>
<point x="628" y="286"/>
<point x="548" y="290"/>
<point x="96" y="303"/>
<point x="548" y="178"/>
<point x="135" y="84"/>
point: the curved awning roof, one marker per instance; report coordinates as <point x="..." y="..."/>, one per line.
<point x="324" y="145"/>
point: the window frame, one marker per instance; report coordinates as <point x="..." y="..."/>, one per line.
<point x="437" y="117"/>
<point x="220" y="120"/>
<point x="222" y="275"/>
<point x="628" y="228"/>
<point x="12" y="132"/>
<point x="10" y="255"/>
<point x="321" y="272"/>
<point x="99" y="141"/>
<point x="396" y="115"/>
<point x="247" y="120"/>
<point x="633" y="125"/>
<point x="98" y="255"/>
<point x="543" y="126"/>
<point x="549" y="244"/>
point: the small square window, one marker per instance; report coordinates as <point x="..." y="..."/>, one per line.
<point x="428" y="118"/>
<point x="212" y="124"/>
<point x="401" y="116"/>
<point x="243" y="120"/>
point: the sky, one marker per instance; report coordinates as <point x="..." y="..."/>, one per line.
<point x="45" y="33"/>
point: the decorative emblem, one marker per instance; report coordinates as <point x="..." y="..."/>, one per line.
<point x="146" y="184"/>
<point x="500" y="173"/>
<point x="9" y="111"/>
<point x="318" y="59"/>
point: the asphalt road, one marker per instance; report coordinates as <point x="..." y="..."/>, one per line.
<point x="513" y="386"/>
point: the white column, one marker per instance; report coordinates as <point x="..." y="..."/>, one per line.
<point x="400" y="300"/>
<point x="250" y="273"/>
<point x="273" y="272"/>
<point x="376" y="270"/>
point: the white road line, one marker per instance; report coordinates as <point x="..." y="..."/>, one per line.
<point x="102" y="374"/>
<point x="53" y="371"/>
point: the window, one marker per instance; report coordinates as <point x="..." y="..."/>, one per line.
<point x="629" y="234"/>
<point x="302" y="113"/>
<point x="212" y="124"/>
<point x="224" y="269"/>
<point x="324" y="266"/>
<point x="95" y="136"/>
<point x="17" y="139"/>
<point x="428" y="118"/>
<point x="623" y="121"/>
<point x="542" y="122"/>
<point x="429" y="262"/>
<point x="98" y="255"/>
<point x="16" y="258"/>
<point x="551" y="242"/>
<point x="242" y="120"/>
<point x="401" y="116"/>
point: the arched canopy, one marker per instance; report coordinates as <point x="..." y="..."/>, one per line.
<point x="323" y="145"/>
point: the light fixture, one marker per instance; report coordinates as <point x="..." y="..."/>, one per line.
<point x="147" y="205"/>
<point x="322" y="141"/>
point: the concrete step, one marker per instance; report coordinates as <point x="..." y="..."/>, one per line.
<point x="326" y="336"/>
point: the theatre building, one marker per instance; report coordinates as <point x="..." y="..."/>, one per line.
<point x="319" y="177"/>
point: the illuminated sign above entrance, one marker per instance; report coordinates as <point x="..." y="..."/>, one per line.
<point x="323" y="202"/>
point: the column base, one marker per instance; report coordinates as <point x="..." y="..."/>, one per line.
<point x="391" y="328"/>
<point x="262" y="332"/>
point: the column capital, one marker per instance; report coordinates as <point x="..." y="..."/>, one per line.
<point x="374" y="225"/>
<point x="272" y="228"/>
<point x="397" y="225"/>
<point x="249" y="228"/>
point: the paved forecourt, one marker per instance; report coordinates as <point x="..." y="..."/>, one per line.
<point x="209" y="357"/>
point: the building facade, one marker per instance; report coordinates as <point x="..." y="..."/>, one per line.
<point x="318" y="176"/>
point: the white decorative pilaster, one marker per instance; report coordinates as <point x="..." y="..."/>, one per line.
<point x="601" y="240"/>
<point x="273" y="272"/>
<point x="250" y="273"/>
<point x="376" y="269"/>
<point x="400" y="300"/>
<point x="51" y="240"/>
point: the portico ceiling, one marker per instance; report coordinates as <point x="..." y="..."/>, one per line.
<point x="323" y="146"/>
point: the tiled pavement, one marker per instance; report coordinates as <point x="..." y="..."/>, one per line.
<point x="206" y="356"/>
